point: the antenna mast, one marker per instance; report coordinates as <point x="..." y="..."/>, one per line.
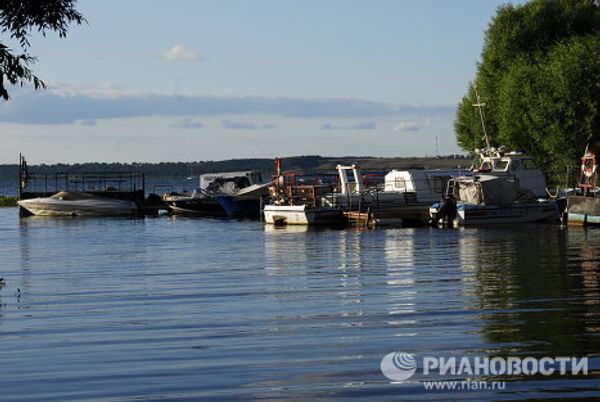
<point x="479" y="105"/>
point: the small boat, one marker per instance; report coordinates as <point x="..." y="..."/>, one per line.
<point x="299" y="204"/>
<point x="491" y="200"/>
<point x="197" y="203"/>
<point x="78" y="204"/>
<point x="203" y="201"/>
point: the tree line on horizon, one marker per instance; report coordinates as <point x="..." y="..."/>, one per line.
<point x="306" y="163"/>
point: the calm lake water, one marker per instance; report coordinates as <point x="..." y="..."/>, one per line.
<point x="170" y="308"/>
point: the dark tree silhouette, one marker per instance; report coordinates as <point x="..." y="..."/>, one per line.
<point x="18" y="19"/>
<point x="538" y="76"/>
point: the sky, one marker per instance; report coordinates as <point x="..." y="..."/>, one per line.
<point x="190" y="80"/>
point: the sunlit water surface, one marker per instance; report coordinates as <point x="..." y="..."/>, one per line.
<point x="170" y="308"/>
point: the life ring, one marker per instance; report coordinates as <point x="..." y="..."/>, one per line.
<point x="588" y="165"/>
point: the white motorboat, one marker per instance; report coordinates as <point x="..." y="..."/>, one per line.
<point x="78" y="204"/>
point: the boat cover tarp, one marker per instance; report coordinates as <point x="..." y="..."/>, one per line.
<point x="489" y="190"/>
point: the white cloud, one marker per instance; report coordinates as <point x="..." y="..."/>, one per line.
<point x="187" y="122"/>
<point x="180" y="53"/>
<point x="236" y="125"/>
<point x="368" y="125"/>
<point x="411" y="126"/>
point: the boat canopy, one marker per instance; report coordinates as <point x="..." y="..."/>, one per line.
<point x="488" y="190"/>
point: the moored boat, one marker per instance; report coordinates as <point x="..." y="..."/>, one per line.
<point x="78" y="204"/>
<point x="491" y="200"/>
<point x="293" y="204"/>
<point x="405" y="197"/>
<point x="203" y="200"/>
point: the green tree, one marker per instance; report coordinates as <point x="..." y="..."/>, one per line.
<point x="538" y="75"/>
<point x="18" y="19"/>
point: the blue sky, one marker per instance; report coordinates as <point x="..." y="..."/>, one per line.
<point x="149" y="80"/>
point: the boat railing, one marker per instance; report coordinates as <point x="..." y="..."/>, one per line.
<point x="88" y="181"/>
<point x="309" y="195"/>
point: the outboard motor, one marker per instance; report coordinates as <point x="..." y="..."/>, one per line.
<point x="446" y="213"/>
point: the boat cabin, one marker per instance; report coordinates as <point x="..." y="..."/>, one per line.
<point x="517" y="165"/>
<point x="253" y="177"/>
<point x="428" y="184"/>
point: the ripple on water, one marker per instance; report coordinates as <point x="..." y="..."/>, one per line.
<point x="192" y="309"/>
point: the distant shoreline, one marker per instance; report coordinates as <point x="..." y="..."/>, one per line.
<point x="265" y="165"/>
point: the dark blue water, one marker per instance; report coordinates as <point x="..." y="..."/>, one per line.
<point x="169" y="308"/>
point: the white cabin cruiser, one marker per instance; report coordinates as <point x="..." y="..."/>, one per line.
<point x="78" y="204"/>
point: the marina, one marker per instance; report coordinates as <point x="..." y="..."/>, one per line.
<point x="504" y="188"/>
<point x="299" y="201"/>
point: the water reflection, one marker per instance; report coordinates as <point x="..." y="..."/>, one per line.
<point x="537" y="289"/>
<point x="400" y="264"/>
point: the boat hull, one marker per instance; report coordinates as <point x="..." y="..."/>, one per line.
<point x="52" y="207"/>
<point x="205" y="206"/>
<point x="481" y="215"/>
<point x="302" y="215"/>
<point x="472" y="215"/>
<point x="237" y="207"/>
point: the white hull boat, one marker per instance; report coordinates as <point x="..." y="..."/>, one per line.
<point x="301" y="215"/>
<point x="78" y="204"/>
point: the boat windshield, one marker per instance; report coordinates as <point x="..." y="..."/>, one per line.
<point x="500" y="166"/>
<point x="72" y="196"/>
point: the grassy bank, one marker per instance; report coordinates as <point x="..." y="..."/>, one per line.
<point x="8" y="201"/>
